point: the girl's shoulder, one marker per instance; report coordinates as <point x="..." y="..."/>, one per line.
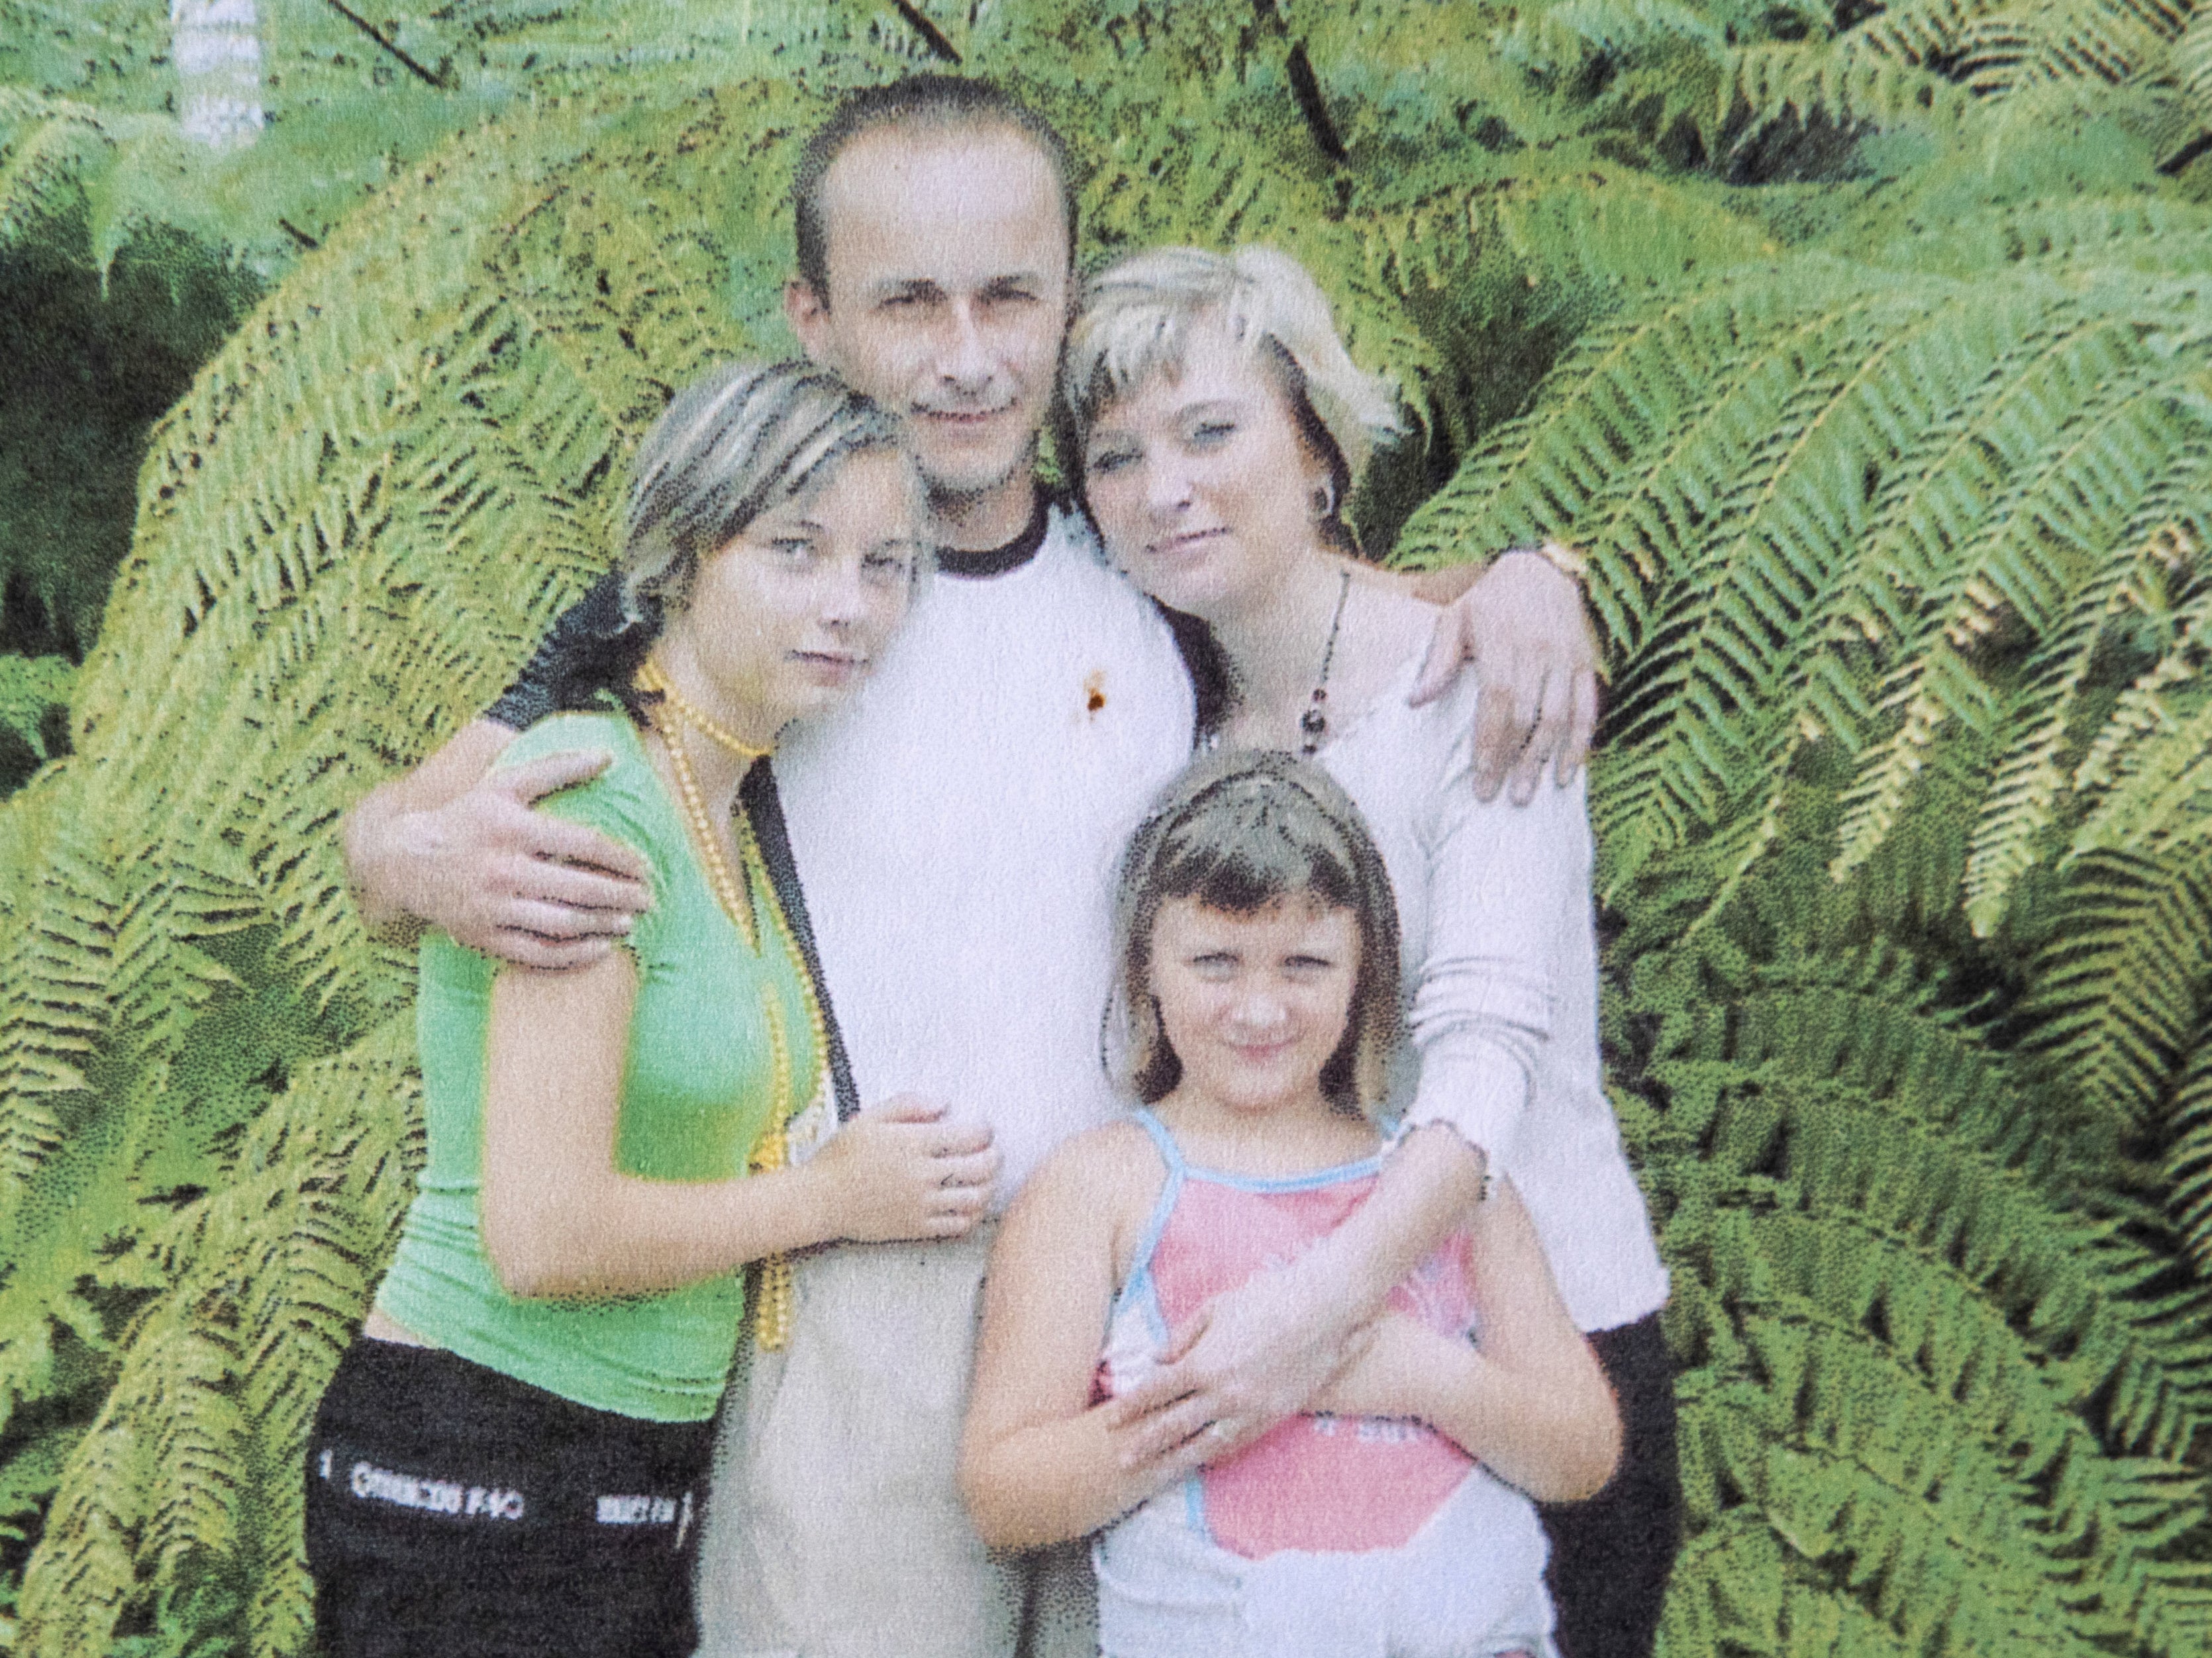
<point x="609" y="729"/>
<point x="1101" y="1185"/>
<point x="1102" y="1160"/>
<point x="1105" y="1173"/>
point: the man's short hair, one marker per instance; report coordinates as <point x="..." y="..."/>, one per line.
<point x="946" y="101"/>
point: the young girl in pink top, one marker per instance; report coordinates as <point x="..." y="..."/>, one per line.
<point x="1257" y="1019"/>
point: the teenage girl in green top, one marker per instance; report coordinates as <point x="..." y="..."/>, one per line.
<point x="510" y="1460"/>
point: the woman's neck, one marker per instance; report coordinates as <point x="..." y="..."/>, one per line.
<point x="1276" y="642"/>
<point x="717" y="765"/>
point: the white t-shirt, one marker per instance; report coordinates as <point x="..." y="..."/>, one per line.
<point x="959" y="826"/>
<point x="1499" y="956"/>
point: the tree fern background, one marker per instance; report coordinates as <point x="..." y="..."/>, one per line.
<point x="1866" y="349"/>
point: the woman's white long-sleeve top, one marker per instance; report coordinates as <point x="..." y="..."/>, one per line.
<point x="1500" y="954"/>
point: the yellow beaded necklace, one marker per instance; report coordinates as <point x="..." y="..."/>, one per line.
<point x="670" y="715"/>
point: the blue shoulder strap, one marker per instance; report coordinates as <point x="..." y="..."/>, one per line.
<point x="1170" y="1153"/>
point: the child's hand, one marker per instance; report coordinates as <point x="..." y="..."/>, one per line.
<point x="1394" y="1375"/>
<point x="900" y="1170"/>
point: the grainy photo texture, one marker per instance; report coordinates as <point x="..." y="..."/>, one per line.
<point x="995" y="828"/>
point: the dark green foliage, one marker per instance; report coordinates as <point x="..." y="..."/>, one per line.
<point x="1864" y="350"/>
<point x="83" y="375"/>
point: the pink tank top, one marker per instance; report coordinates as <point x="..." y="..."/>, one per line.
<point x="1314" y="1482"/>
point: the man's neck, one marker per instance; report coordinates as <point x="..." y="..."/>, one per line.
<point x="986" y="518"/>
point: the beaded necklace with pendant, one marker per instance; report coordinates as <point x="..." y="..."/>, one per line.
<point x="1313" y="723"/>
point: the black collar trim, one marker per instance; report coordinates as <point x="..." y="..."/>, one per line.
<point x="998" y="561"/>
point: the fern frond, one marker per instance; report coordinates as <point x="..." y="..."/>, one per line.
<point x="1843" y="84"/>
<point x="267" y="1280"/>
<point x="1825" y="1254"/>
<point x="2189" y="1151"/>
<point x="2121" y="988"/>
<point x="2099" y="233"/>
<point x="2107" y="40"/>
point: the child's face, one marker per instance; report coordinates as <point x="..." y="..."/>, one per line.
<point x="1255" y="1005"/>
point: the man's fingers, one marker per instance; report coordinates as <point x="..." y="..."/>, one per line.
<point x="558" y="923"/>
<point x="1497" y="740"/>
<point x="1553" y="697"/>
<point x="578" y="888"/>
<point x="1581" y="727"/>
<point x="1445" y="585"/>
<point x="1448" y="648"/>
<point x="536" y="778"/>
<point x="548" y="954"/>
<point x="555" y="840"/>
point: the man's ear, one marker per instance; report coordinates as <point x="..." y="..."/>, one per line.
<point x="808" y="313"/>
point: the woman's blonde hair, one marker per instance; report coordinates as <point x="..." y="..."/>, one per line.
<point x="1239" y="832"/>
<point x="1135" y="323"/>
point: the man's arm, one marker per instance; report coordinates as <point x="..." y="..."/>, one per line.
<point x="456" y="844"/>
<point x="1523" y="625"/>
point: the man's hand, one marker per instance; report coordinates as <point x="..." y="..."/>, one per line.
<point x="519" y="884"/>
<point x="1524" y="627"/>
<point x="1249" y="1359"/>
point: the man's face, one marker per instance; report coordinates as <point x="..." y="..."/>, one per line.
<point x="947" y="260"/>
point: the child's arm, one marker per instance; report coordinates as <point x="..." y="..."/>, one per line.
<point x="1038" y="1463"/>
<point x="559" y="1219"/>
<point x="1530" y="1401"/>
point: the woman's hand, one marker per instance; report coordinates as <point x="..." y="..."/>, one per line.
<point x="900" y="1170"/>
<point x="1257" y="1354"/>
<point x="1526" y="630"/>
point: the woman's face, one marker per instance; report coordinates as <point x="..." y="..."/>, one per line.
<point x="1200" y="481"/>
<point x="1253" y="1005"/>
<point x="791" y="614"/>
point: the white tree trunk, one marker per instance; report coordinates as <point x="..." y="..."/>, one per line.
<point x="216" y="46"/>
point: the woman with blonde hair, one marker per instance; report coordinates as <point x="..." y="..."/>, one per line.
<point x="1221" y="427"/>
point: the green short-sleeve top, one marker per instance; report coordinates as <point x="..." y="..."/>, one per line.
<point x="722" y="1047"/>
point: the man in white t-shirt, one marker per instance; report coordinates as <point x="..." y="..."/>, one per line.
<point x="955" y="829"/>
